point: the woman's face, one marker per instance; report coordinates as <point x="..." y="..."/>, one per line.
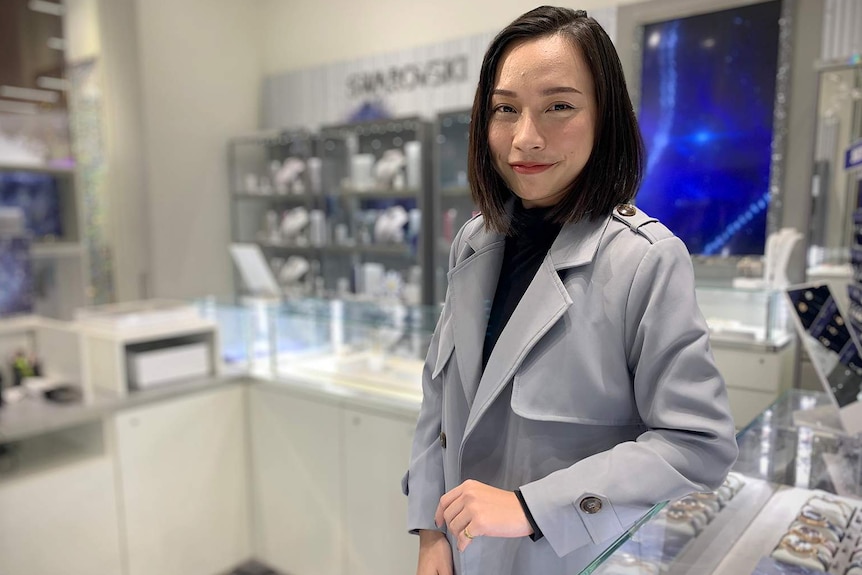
<point x="543" y="115"/>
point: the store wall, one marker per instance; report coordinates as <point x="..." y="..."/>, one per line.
<point x="305" y="34"/>
<point x="200" y="79"/>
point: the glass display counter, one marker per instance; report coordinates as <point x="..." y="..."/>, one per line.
<point x="753" y="343"/>
<point x="745" y="316"/>
<point x="793" y="504"/>
<point x="375" y="345"/>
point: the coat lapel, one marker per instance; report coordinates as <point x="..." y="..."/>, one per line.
<point x="472" y="284"/>
<point x="544" y="302"/>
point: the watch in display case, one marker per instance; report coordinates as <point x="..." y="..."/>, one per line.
<point x="801" y="553"/>
<point x="813" y="518"/>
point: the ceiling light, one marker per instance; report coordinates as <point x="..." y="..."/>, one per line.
<point x="11" y="107"/>
<point x="46" y="96"/>
<point x="43" y="7"/>
<point x="49" y="83"/>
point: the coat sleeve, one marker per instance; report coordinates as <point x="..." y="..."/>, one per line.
<point x="424" y="482"/>
<point x="689" y="443"/>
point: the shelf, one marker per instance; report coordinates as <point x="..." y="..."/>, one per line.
<point x="39" y="169"/>
<point x="397" y="250"/>
<point x="456" y="191"/>
<point x="375" y="193"/>
<point x="289" y="247"/>
<point x="53" y="250"/>
<point x="400" y="250"/>
<point x="299" y="198"/>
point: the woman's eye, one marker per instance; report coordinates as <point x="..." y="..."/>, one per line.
<point x="504" y="109"/>
<point x="561" y="106"/>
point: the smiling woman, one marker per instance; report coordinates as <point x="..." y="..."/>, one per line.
<point x="569" y="384"/>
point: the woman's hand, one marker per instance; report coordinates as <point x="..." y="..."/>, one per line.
<point x="481" y="510"/>
<point x="435" y="555"/>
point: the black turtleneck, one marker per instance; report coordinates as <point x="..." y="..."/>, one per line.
<point x="527" y="244"/>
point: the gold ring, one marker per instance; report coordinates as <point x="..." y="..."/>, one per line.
<point x="467" y="533"/>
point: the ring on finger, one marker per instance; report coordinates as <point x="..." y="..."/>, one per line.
<point x="467" y="533"/>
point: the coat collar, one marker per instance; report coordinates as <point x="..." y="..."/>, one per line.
<point x="575" y="245"/>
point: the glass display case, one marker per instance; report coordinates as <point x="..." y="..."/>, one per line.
<point x="745" y="316"/>
<point x="347" y="344"/>
<point x="793" y="504"/>
<point x="376" y="177"/>
<point x="277" y="205"/>
<point x="453" y="204"/>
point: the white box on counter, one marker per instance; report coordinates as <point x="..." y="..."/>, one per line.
<point x="162" y="366"/>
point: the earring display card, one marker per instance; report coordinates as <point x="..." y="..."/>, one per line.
<point x="833" y="350"/>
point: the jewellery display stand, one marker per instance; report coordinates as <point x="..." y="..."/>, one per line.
<point x="835" y="354"/>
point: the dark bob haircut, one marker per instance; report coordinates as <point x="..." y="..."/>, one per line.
<point x="614" y="170"/>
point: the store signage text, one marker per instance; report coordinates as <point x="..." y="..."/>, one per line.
<point x="407" y="77"/>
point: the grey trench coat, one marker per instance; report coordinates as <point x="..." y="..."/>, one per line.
<point x="606" y="371"/>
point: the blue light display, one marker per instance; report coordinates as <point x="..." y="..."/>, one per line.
<point x="706" y="114"/>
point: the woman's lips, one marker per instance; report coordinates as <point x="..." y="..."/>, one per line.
<point x="530" y="168"/>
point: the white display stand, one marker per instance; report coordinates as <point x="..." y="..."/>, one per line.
<point x="826" y="362"/>
<point x="114" y="338"/>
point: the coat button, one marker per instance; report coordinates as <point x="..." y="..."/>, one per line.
<point x="443" y="439"/>
<point x="591" y="505"/>
<point x="627" y="210"/>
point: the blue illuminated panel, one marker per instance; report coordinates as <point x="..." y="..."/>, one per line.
<point x="706" y="113"/>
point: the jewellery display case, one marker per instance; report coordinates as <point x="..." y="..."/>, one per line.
<point x="378" y="345"/>
<point x="53" y="222"/>
<point x="376" y="177"/>
<point x="793" y="504"/>
<point x="753" y="344"/>
<point x="278" y="205"/>
<point x="453" y="204"/>
<point x="373" y="345"/>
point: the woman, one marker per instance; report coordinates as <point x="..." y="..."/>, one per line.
<point x="569" y="385"/>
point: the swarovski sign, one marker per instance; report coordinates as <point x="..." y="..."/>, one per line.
<point x="404" y="78"/>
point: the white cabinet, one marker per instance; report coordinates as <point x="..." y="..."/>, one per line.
<point x="755" y="377"/>
<point x="183" y="484"/>
<point x="326" y="485"/>
<point x="296" y="482"/>
<point x="376" y="455"/>
<point x="60" y="520"/>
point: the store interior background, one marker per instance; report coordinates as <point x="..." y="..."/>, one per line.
<point x="177" y="80"/>
<point x="180" y="80"/>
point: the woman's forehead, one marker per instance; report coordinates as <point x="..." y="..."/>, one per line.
<point x="542" y="63"/>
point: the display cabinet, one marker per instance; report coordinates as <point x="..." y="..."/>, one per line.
<point x="793" y="504"/>
<point x="52" y="218"/>
<point x="453" y="204"/>
<point x="378" y="345"/>
<point x="753" y="344"/>
<point x="278" y="205"/>
<point x="376" y="177"/>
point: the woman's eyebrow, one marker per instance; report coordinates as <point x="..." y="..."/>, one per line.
<point x="545" y="92"/>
